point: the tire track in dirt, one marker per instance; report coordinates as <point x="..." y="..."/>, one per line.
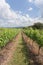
<point x="6" y="53"/>
<point x="33" y="49"/>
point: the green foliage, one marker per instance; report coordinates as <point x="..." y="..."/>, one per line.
<point x="35" y="34"/>
<point x="6" y="34"/>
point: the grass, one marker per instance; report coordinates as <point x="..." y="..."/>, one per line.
<point x="20" y="56"/>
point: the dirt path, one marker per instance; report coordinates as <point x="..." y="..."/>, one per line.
<point x="33" y="48"/>
<point x="6" y="53"/>
<point x="21" y="56"/>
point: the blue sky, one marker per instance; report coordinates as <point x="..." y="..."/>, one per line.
<point x="15" y="13"/>
<point x="23" y="6"/>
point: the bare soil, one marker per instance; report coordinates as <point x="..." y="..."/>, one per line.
<point x="6" y="53"/>
<point x="35" y="53"/>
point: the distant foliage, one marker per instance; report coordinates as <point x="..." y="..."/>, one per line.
<point x="35" y="26"/>
<point x="38" y="25"/>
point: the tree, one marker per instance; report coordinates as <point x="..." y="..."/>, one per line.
<point x="38" y="25"/>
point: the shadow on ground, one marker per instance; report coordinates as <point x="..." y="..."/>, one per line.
<point x="27" y="54"/>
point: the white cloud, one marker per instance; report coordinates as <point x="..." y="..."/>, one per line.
<point x="30" y="9"/>
<point x="39" y="5"/>
<point x="10" y="18"/>
<point x="30" y="0"/>
<point x="38" y="2"/>
<point x="38" y="19"/>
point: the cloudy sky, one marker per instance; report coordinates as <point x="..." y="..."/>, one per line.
<point x="15" y="13"/>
